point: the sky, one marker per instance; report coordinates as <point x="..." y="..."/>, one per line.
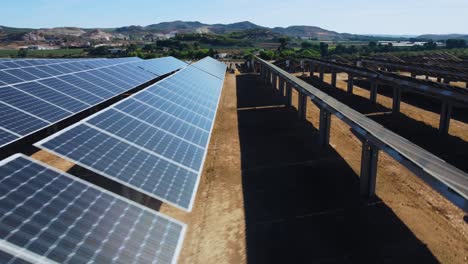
<point x="397" y="17"/>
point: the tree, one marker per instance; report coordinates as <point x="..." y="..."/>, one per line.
<point x="372" y="44"/>
<point x="455" y="43"/>
<point x="430" y="45"/>
<point x="267" y="55"/>
<point x="283" y="43"/>
<point x="323" y="49"/>
<point x="22" y="53"/>
<point x="306" y="45"/>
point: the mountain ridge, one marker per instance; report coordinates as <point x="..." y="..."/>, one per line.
<point x="171" y="28"/>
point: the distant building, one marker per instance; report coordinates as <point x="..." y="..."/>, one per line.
<point x="221" y="55"/>
<point x="39" y="47"/>
<point x="117" y="51"/>
<point x="407" y="43"/>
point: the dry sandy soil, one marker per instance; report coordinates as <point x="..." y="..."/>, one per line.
<point x="269" y="194"/>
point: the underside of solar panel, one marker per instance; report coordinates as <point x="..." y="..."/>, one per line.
<point x="48" y="216"/>
<point x="156" y="140"/>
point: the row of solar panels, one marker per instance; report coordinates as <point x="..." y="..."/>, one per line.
<point x="154" y="142"/>
<point x="20" y="63"/>
<point x="30" y="73"/>
<point x="30" y="102"/>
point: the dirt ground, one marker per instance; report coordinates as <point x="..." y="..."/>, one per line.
<point x="269" y="194"/>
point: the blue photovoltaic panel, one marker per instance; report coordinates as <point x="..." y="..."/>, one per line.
<point x="55" y="98"/>
<point x="150" y="137"/>
<point x="125" y="163"/>
<point x="21" y="74"/>
<point x="36" y="72"/>
<point x="71" y="90"/>
<point x="52" y="96"/>
<point x="166" y="121"/>
<point x="28" y="103"/>
<point x="10" y="258"/>
<point x="8" y="78"/>
<point x="26" y="70"/>
<point x="6" y="137"/>
<point x="154" y="141"/>
<point x="212" y="66"/>
<point x="21" y="123"/>
<point x="88" y="86"/>
<point x="55" y="217"/>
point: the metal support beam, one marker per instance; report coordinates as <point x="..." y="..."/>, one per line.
<point x="324" y="127"/>
<point x="312" y="69"/>
<point x="350" y="83"/>
<point x="273" y="82"/>
<point x="396" y="99"/>
<point x="333" y="78"/>
<point x="281" y="86"/>
<point x="439" y="79"/>
<point x="445" y="115"/>
<point x="288" y="94"/>
<point x="369" y="160"/>
<point x="322" y="72"/>
<point x="373" y="91"/>
<point x="302" y="106"/>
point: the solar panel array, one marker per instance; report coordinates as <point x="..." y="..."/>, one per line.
<point x="35" y="97"/>
<point x="154" y="141"/>
<point x="48" y="216"/>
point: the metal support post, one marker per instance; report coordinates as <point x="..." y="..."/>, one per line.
<point x="302" y="106"/>
<point x="445" y="115"/>
<point x="396" y="100"/>
<point x="324" y="127"/>
<point x="350" y="83"/>
<point x="333" y="78"/>
<point x="322" y="72"/>
<point x="281" y="86"/>
<point x="288" y="94"/>
<point x="369" y="160"/>
<point x="373" y="91"/>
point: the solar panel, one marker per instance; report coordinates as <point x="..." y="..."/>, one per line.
<point x="23" y="72"/>
<point x="6" y="136"/>
<point x="59" y="96"/>
<point x="154" y="141"/>
<point x="212" y="66"/>
<point x="52" y="217"/>
<point x="12" y="259"/>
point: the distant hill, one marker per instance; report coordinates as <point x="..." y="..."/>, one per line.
<point x="311" y="32"/>
<point x="170" y="29"/>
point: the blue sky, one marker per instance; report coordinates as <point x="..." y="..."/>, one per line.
<point x="352" y="16"/>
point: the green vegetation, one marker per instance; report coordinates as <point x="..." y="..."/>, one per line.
<point x="60" y="53"/>
<point x="229" y="40"/>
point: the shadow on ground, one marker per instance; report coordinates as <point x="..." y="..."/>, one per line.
<point x="450" y="148"/>
<point x="301" y="202"/>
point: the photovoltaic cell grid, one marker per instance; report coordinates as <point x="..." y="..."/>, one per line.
<point x="154" y="141"/>
<point x="30" y="106"/>
<point x="28" y="63"/>
<point x="18" y="72"/>
<point x="58" y="218"/>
